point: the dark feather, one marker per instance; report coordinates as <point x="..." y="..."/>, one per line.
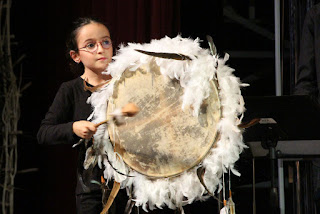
<point x="200" y="174"/>
<point x="212" y="46"/>
<point x="174" y="56"/>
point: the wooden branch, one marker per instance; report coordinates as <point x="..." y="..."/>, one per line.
<point x="18" y="61"/>
<point x="27" y="170"/>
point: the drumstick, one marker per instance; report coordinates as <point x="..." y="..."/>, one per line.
<point x="128" y="110"/>
<point x="103" y="122"/>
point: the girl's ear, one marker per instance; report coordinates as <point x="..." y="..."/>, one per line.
<point x="75" y="56"/>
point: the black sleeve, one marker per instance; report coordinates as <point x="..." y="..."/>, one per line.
<point x="56" y="127"/>
<point x="306" y="77"/>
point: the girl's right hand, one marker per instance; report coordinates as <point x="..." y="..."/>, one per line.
<point x="84" y="129"/>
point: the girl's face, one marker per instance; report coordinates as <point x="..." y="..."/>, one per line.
<point x="93" y="49"/>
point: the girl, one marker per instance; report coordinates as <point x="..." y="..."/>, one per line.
<point x="90" y="47"/>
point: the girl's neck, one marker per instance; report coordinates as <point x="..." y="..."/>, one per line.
<point x="94" y="78"/>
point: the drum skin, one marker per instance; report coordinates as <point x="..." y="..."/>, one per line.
<point x="162" y="140"/>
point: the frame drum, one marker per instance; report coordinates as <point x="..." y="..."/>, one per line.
<point x="162" y="140"/>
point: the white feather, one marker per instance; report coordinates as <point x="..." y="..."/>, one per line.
<point x="224" y="210"/>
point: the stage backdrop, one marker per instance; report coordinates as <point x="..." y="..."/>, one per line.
<point x="40" y="29"/>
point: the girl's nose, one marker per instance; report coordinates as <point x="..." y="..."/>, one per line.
<point x="99" y="48"/>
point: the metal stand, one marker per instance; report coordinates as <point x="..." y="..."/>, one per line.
<point x="281" y="187"/>
<point x="254" y="208"/>
<point x="276" y="131"/>
<point x="298" y="188"/>
<point x="269" y="142"/>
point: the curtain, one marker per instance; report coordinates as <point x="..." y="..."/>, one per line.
<point x="136" y="21"/>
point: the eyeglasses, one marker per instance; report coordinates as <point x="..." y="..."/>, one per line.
<point x="92" y="47"/>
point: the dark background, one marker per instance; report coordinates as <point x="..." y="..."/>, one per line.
<point x="40" y="29"/>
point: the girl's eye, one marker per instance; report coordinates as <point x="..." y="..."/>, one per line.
<point x="106" y="42"/>
<point x="90" y="45"/>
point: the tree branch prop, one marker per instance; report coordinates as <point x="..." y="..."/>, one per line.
<point x="10" y="94"/>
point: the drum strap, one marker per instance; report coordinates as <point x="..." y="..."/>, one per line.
<point x="113" y="194"/>
<point x="93" y="88"/>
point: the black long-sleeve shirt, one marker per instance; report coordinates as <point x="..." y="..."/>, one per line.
<point x="70" y="105"/>
<point x="308" y="79"/>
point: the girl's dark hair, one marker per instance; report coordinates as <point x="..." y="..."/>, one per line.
<point x="72" y="41"/>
